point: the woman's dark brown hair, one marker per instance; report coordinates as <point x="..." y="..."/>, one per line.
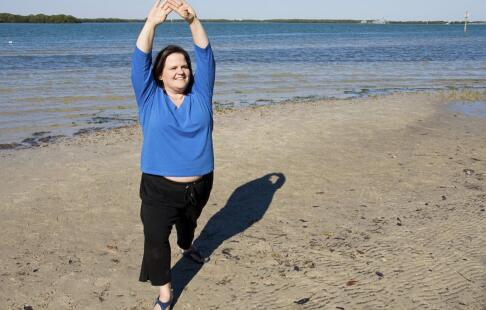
<point x="159" y="64"/>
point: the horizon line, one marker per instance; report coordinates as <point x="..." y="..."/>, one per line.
<point x="256" y="19"/>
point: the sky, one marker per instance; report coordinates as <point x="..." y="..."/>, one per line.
<point x="263" y="9"/>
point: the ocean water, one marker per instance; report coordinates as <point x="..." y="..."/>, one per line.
<point x="61" y="80"/>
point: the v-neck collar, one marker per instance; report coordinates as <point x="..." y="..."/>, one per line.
<point x="173" y="105"/>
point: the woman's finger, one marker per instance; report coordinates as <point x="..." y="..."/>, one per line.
<point x="176" y="2"/>
<point x="172" y="3"/>
<point x="166" y="8"/>
<point x="173" y="7"/>
<point x="165" y="5"/>
<point x="176" y="8"/>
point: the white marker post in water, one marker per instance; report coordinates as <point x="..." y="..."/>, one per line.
<point x="465" y="21"/>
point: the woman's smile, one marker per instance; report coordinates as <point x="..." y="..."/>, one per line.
<point x="175" y="75"/>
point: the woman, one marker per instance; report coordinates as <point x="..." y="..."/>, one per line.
<point x="175" y="113"/>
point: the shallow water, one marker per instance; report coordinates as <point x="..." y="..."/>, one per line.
<point x="473" y="109"/>
<point x="65" y="78"/>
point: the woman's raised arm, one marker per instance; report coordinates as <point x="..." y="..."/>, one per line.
<point x="157" y="15"/>
<point x="189" y="15"/>
<point x="143" y="82"/>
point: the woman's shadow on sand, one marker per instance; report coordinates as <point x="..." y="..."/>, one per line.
<point x="246" y="205"/>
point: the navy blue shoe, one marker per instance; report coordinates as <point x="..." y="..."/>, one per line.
<point x="164" y="305"/>
<point x="193" y="254"/>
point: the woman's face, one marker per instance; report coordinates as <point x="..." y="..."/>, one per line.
<point x="175" y="74"/>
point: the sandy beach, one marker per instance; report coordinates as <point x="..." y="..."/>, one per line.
<point x="375" y="203"/>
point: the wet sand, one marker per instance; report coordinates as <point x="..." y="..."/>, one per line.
<point x="374" y="203"/>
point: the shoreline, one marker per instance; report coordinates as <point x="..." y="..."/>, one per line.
<point x="375" y="203"/>
<point x="45" y="138"/>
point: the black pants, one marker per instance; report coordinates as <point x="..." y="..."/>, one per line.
<point x="165" y="203"/>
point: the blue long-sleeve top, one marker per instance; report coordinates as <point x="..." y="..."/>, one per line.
<point x="176" y="141"/>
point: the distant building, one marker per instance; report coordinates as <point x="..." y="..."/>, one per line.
<point x="379" y="21"/>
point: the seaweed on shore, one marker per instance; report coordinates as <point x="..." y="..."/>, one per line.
<point x="35" y="140"/>
<point x="89" y="130"/>
<point x="38" y="138"/>
<point x="9" y="146"/>
<point x="467" y="95"/>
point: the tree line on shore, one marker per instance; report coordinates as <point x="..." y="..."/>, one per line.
<point x="57" y="19"/>
<point x="67" y="19"/>
<point x="39" y="18"/>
